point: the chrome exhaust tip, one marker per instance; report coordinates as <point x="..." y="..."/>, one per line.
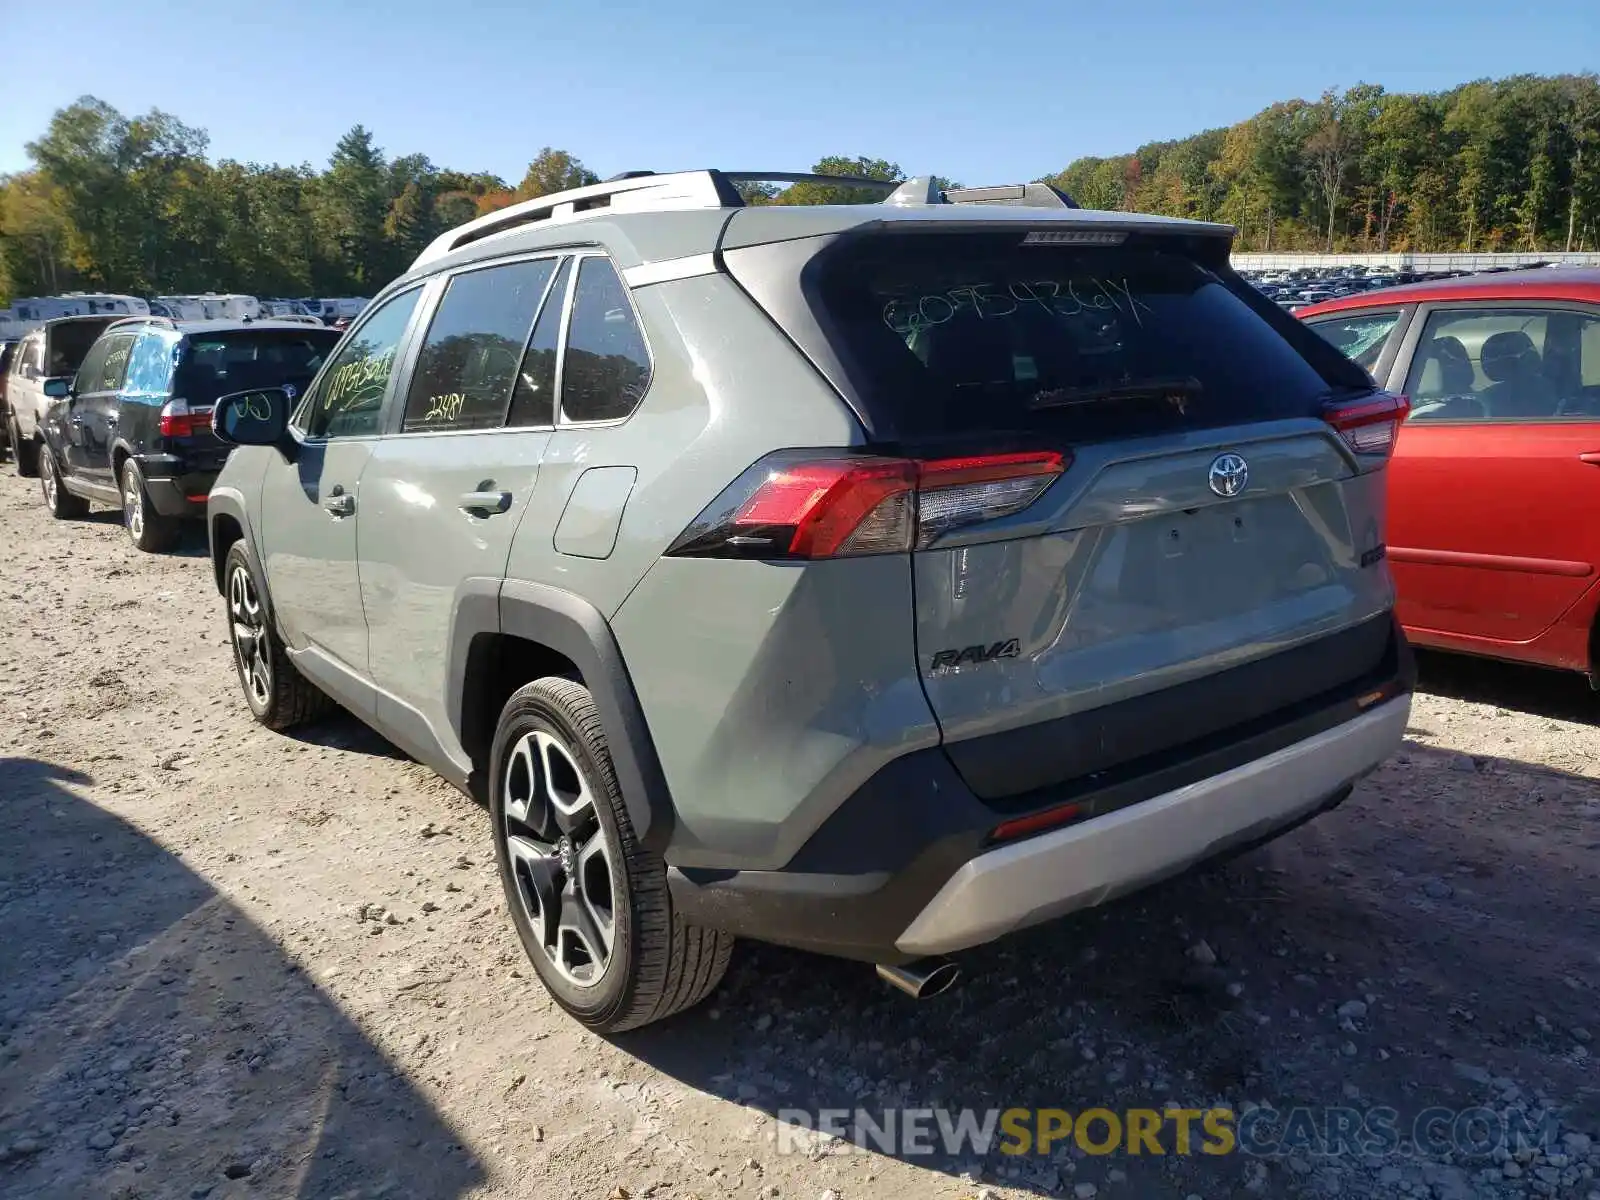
<point x="922" y="979"/>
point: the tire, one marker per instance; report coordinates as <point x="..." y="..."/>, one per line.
<point x="656" y="965"/>
<point x="24" y="454"/>
<point x="149" y="530"/>
<point x="63" y="505"/>
<point x="278" y="695"/>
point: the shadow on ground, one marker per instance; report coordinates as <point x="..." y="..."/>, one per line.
<point x="155" y="1042"/>
<point x="192" y="542"/>
<point x="1457" y="892"/>
<point x="1559" y="695"/>
<point x="341" y="730"/>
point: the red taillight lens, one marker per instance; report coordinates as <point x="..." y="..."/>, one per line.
<point x="1369" y="425"/>
<point x="179" y="420"/>
<point x="796" y="506"/>
<point x="835" y="507"/>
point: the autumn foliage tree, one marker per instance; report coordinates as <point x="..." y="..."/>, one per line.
<point x="135" y="204"/>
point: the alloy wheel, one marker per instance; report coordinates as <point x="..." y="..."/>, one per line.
<point x="47" y="478"/>
<point x="561" y="858"/>
<point x="248" y="627"/>
<point x="132" y="508"/>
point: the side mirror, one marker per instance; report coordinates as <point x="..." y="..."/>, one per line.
<point x="259" y="417"/>
<point x="56" y="389"/>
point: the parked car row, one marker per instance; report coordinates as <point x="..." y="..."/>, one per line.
<point x="118" y="411"/>
<point x="29" y="312"/>
<point x="1301" y="286"/>
<point x="874" y="579"/>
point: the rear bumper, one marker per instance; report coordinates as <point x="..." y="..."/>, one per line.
<point x="907" y="866"/>
<point x="174" y="490"/>
<point x="1078" y="867"/>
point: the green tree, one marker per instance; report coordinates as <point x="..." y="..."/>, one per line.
<point x="836" y="164"/>
<point x="34" y="231"/>
<point x="553" y="171"/>
<point x="349" y="204"/>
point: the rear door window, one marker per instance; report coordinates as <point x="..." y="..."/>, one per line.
<point x="533" y="400"/>
<point x="115" y="368"/>
<point x="92" y="369"/>
<point x="986" y="334"/>
<point x="1359" y="336"/>
<point x="1497" y="363"/>
<point x="469" y="361"/>
<point x="30" y="358"/>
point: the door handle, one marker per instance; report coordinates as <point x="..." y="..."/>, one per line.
<point x="340" y="502"/>
<point x="486" y="503"/>
<point x="1592" y="458"/>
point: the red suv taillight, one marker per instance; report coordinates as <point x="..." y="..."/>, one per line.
<point x="794" y="505"/>
<point x="179" y="420"/>
<point x="1369" y="425"/>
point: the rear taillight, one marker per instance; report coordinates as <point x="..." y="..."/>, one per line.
<point x="1369" y="425"/>
<point x="179" y="420"/>
<point x="794" y="505"/>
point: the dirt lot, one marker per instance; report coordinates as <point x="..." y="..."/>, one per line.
<point x="234" y="963"/>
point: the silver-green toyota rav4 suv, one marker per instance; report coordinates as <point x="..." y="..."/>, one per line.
<point x="876" y="579"/>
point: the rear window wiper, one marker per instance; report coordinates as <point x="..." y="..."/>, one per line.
<point x="1176" y="391"/>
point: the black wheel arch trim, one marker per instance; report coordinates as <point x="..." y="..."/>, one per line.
<point x="575" y="629"/>
<point x="229" y="502"/>
<point x="121" y="448"/>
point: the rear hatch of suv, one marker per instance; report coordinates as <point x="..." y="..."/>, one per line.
<point x="67" y="341"/>
<point x="215" y="363"/>
<point x="1148" y="508"/>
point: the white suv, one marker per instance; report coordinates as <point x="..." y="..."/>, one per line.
<point x="52" y="351"/>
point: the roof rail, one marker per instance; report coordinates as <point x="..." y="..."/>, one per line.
<point x="631" y="191"/>
<point x="147" y="319"/>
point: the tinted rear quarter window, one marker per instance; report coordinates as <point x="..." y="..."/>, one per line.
<point x="607" y="368"/>
<point x="958" y="334"/>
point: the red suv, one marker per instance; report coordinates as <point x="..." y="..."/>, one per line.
<point x="1494" y="487"/>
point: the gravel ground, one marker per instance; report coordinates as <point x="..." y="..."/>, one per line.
<point x="234" y="963"/>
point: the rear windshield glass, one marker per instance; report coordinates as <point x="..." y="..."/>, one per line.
<point x="958" y="334"/>
<point x="214" y="364"/>
<point x="69" y="344"/>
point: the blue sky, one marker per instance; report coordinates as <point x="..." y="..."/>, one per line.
<point x="980" y="92"/>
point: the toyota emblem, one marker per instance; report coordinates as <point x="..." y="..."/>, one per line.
<point x="1229" y="474"/>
